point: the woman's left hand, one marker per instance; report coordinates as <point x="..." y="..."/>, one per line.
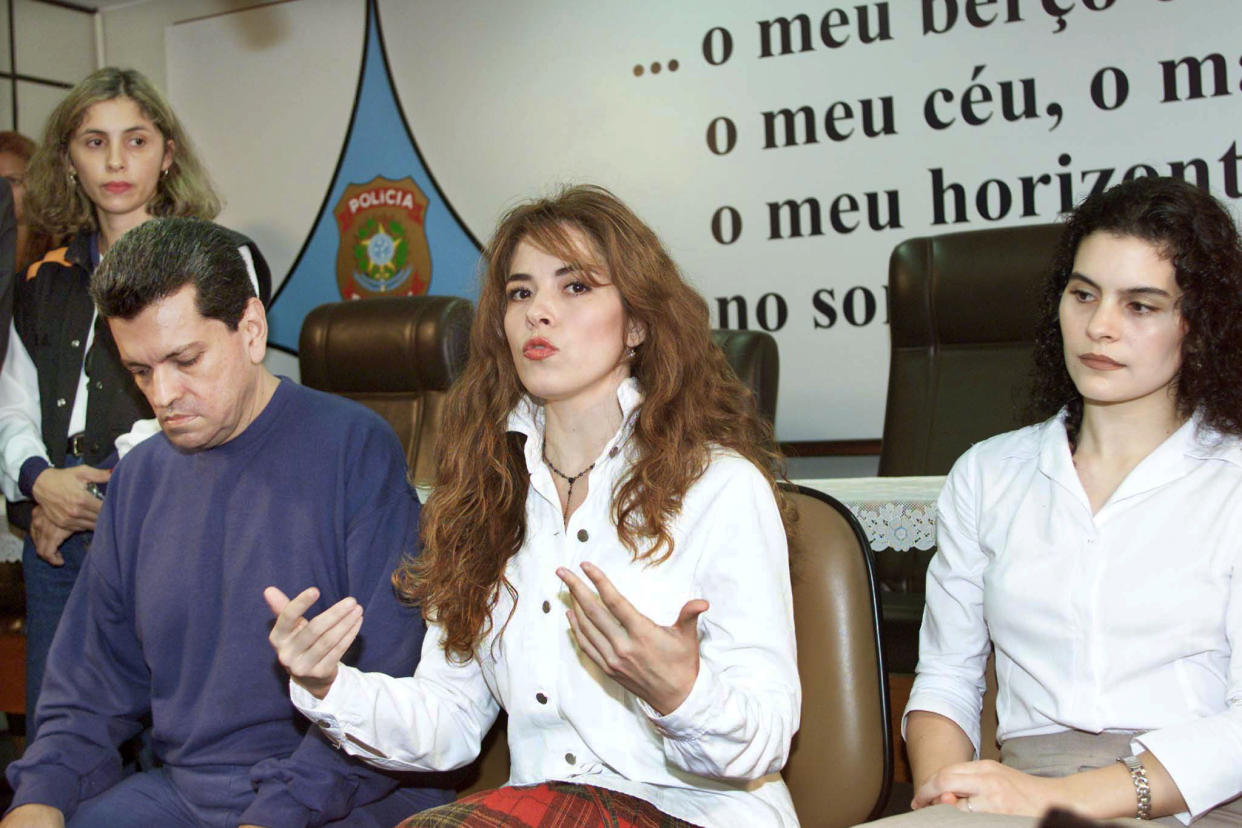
<point x="657" y="664"/>
<point x="988" y="786"/>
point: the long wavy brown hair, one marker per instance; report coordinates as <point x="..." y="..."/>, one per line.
<point x="476" y="519"/>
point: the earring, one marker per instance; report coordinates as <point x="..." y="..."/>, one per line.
<point x="630" y="353"/>
<point x="73" y="178"/>
<point x="165" y="173"/>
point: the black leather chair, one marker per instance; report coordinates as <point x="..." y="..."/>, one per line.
<point x="962" y="314"/>
<point x="397" y="356"/>
<point x="755" y="359"/>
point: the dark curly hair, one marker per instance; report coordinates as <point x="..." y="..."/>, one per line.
<point x="1196" y="234"/>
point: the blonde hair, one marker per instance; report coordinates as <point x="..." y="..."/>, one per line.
<point x="59" y="207"/>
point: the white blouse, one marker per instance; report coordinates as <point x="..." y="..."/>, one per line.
<point x="713" y="761"/>
<point x="1126" y="620"/>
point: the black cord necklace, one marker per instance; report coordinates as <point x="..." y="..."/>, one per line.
<point x="570" y="479"/>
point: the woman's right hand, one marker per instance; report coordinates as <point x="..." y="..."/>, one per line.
<point x="311" y="650"/>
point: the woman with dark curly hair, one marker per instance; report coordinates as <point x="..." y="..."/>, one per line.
<point x="604" y="555"/>
<point x="1097" y="553"/>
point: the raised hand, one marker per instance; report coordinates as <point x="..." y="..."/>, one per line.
<point x="657" y="664"/>
<point x="64" y="497"/>
<point x="311" y="650"/>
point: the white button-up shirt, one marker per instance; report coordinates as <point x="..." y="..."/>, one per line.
<point x="1126" y="620"/>
<point x="712" y="761"/>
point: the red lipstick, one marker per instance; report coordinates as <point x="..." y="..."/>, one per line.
<point x="538" y="348"/>
<point x="118" y="187"/>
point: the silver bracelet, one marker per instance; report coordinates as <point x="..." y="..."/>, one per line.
<point x="1142" y="788"/>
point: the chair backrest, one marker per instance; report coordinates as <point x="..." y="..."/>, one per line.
<point x="397" y="356"/>
<point x="841" y="766"/>
<point x="962" y="314"/>
<point x="756" y="360"/>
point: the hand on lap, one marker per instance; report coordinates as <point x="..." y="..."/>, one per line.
<point x="988" y="786"/>
<point x="34" y="816"/>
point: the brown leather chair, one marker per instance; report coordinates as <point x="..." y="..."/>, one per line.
<point x="841" y="767"/>
<point x="755" y="359"/>
<point x="841" y="764"/>
<point x="962" y="315"/>
<point x="397" y="356"/>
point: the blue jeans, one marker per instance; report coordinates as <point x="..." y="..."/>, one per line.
<point x="47" y="591"/>
<point x="193" y="797"/>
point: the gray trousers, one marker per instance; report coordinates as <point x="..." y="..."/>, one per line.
<point x="1057" y="754"/>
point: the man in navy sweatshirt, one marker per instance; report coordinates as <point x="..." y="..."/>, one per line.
<point x="253" y="481"/>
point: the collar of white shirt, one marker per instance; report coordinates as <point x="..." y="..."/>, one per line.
<point x="1181" y="452"/>
<point x="527" y="418"/>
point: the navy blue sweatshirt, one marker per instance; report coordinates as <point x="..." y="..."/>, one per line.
<point x="168" y="616"/>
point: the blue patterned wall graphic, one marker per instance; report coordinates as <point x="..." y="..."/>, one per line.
<point x="378" y="145"/>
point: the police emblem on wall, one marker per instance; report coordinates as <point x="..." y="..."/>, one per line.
<point x="383" y="249"/>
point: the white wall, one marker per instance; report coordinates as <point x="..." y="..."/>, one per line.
<point x="133" y="35"/>
<point x="508" y="99"/>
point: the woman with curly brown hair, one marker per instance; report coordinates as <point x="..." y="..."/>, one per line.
<point x="604" y="554"/>
<point x="1097" y="553"/>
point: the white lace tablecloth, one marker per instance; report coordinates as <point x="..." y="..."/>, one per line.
<point x="10" y="546"/>
<point x="895" y="512"/>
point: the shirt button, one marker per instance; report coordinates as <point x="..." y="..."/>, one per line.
<point x="570" y="758"/>
<point x="541" y="698"/>
<point x="547" y="607"/>
<point x="582" y="535"/>
<point x="60" y="403"/>
<point x="614" y="451"/>
<point x="75" y="343"/>
<point x="99" y="386"/>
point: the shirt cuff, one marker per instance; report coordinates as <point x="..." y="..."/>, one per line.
<point x="31" y="469"/>
<point x="326" y="712"/>
<point x="275" y="807"/>
<point x="1202" y="767"/>
<point x="691" y="718"/>
<point x="50" y="785"/>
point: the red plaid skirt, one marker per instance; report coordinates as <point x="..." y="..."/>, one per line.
<point x="549" y="805"/>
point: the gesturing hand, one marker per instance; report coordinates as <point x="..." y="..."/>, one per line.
<point x="311" y="650"/>
<point x="63" y="495"/>
<point x="657" y="664"/>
